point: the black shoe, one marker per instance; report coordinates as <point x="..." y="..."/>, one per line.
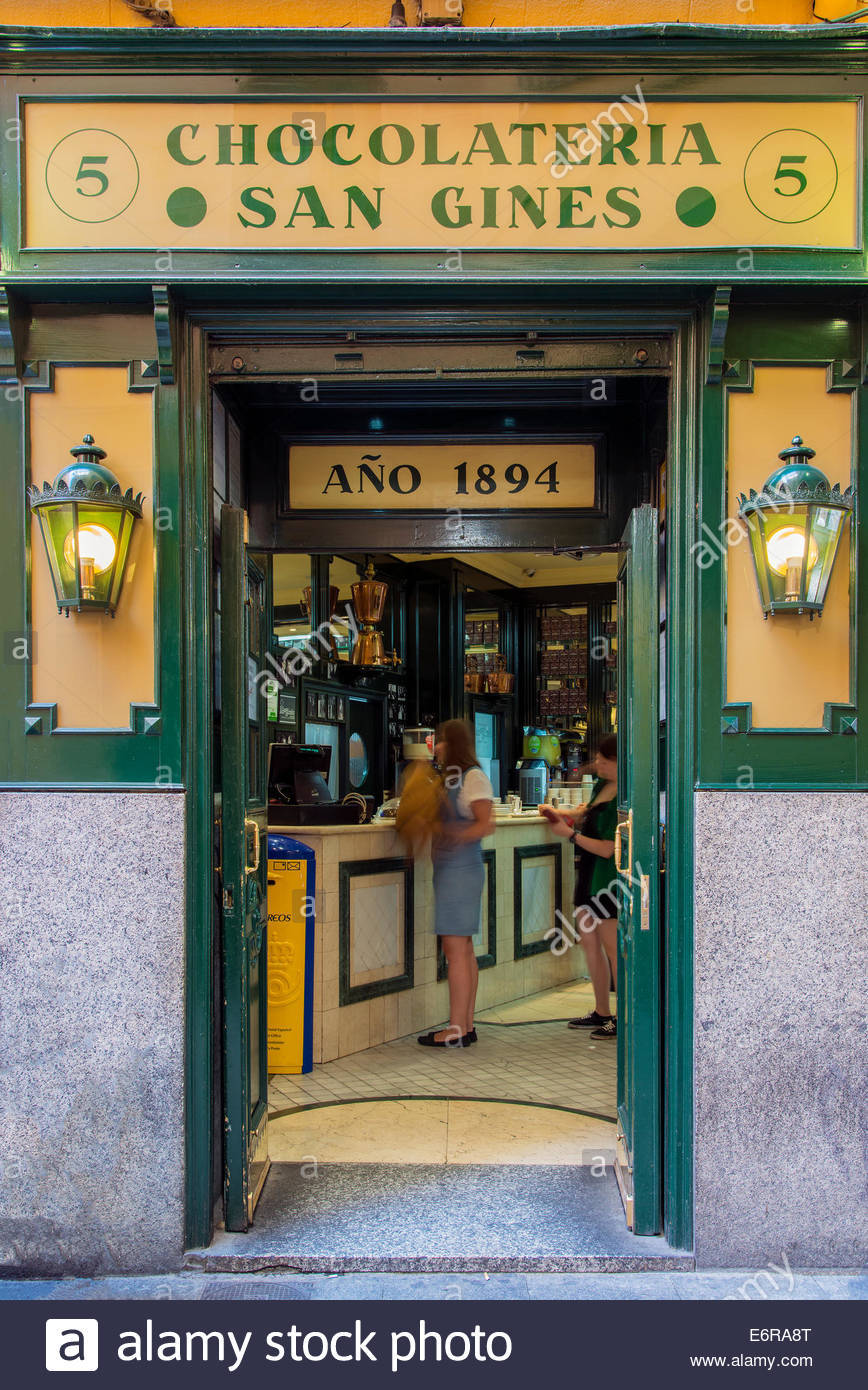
<point x="591" y="1020"/>
<point x="469" y="1038"/>
<point x="431" y="1040"/>
<point x="609" y="1029"/>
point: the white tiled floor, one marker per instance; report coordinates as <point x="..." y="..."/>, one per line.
<point x="525" y="1054"/>
<point x="439" y="1131"/>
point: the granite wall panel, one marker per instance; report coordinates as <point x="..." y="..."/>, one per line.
<point x="91" y="1032"/>
<point x="780" y="1029"/>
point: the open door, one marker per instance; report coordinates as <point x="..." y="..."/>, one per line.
<point x="244" y="731"/>
<point x="637" y="850"/>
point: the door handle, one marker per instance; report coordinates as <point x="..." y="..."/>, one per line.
<point x="620" y="827"/>
<point x="254" y="826"/>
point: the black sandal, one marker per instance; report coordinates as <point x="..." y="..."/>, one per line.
<point x="430" y="1040"/>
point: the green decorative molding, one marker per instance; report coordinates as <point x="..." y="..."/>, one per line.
<point x="42" y="719"/>
<point x="717" y="335"/>
<point x="735" y="719"/>
<point x="143" y="376"/>
<point x="843" y="374"/>
<point x="9" y="356"/>
<point x="38" y="376"/>
<point x="826" y="333"/>
<point x="163" y="327"/>
<point x="147" y="752"/>
<point x="146" y="719"/>
<point x="688" y="61"/>
<point x="837" y="719"/>
<point x="737" y="376"/>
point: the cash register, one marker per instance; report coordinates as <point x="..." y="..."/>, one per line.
<point x="298" y="790"/>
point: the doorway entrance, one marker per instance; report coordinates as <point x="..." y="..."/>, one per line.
<point x="392" y="539"/>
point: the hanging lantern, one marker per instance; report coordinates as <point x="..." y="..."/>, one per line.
<point x="86" y="524"/>
<point x="795" y="524"/>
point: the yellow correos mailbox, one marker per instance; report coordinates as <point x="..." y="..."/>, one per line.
<point x="291" y="897"/>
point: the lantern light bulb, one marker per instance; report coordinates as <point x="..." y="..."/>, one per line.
<point x="787" y="547"/>
<point x="96" y="545"/>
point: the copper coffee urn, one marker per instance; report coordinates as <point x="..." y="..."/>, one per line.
<point x="369" y="600"/>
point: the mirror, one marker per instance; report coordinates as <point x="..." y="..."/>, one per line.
<point x="358" y="754"/>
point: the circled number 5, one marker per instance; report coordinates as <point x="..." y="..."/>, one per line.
<point x="782" y="173"/>
<point x="97" y="174"/>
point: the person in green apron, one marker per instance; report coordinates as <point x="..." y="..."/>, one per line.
<point x="459" y="875"/>
<point x="591" y="829"/>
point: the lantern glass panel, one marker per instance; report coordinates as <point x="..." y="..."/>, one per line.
<point x="126" y="521"/>
<point x="828" y="524"/>
<point x="756" y="531"/>
<point x="56" y="522"/>
<point x="787" y="542"/>
<point x="97" y="542"/>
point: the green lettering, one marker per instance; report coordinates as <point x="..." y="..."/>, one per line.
<point x="590" y="144"/>
<point x="313" y="207"/>
<point x="225" y="144"/>
<point x="432" y="147"/>
<point x="173" y="144"/>
<point x="571" y="203"/>
<point x="356" y="198"/>
<point x="701" y="145"/>
<point x="521" y="198"/>
<point x="275" y="144"/>
<point x="441" y="215"/>
<point x="405" y="140"/>
<point x="619" y="204"/>
<point x="491" y="144"/>
<point x="528" y="140"/>
<point x="250" y="201"/>
<point x="330" y="145"/>
<point x="564" y="141"/>
<point x="618" y="139"/>
<point x="656" y="134"/>
<point x="489" y="207"/>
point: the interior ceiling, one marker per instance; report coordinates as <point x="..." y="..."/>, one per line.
<point x="521" y="569"/>
<point x="525" y="569"/>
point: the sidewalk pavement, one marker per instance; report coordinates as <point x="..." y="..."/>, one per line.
<point x="742" y="1285"/>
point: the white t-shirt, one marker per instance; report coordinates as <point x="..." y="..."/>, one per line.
<point x="475" y="786"/>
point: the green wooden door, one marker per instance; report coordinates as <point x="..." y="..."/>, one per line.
<point x="637" y="860"/>
<point x="243" y="646"/>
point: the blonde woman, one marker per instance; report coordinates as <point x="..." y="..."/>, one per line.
<point x="459" y="874"/>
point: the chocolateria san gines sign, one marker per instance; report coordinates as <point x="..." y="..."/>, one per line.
<point x="475" y="175"/>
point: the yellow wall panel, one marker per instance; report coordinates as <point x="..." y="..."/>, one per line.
<point x="786" y="665"/>
<point x="353" y="14"/>
<point x="90" y="665"/>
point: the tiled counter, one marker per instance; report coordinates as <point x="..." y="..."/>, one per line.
<point x="377" y="975"/>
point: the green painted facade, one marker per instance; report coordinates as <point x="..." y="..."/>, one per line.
<point x="798" y="307"/>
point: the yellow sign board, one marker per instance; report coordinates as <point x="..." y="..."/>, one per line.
<point x="440" y="477"/>
<point x="290" y="943"/>
<point x="451" y="176"/>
